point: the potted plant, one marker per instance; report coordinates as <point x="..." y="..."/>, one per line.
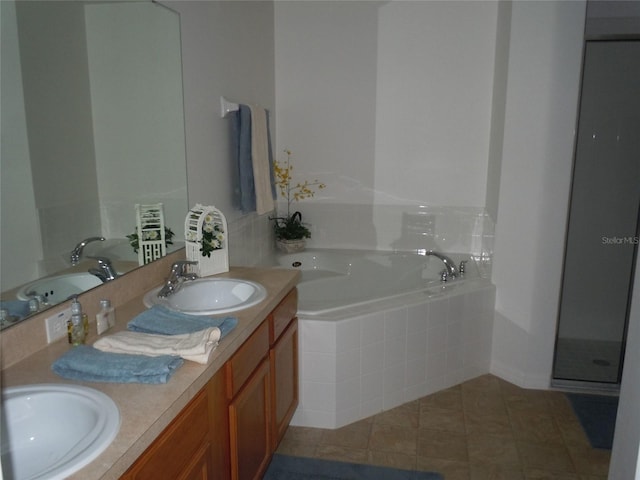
<point x="290" y="232"/>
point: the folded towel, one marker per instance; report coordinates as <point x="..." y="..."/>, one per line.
<point x="85" y="363"/>
<point x="159" y="319"/>
<point x="196" y="347"/>
<point x="260" y="160"/>
<point x="16" y="308"/>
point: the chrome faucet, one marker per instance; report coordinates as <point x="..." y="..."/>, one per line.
<point x="450" y="266"/>
<point x="177" y="275"/>
<point x="105" y="270"/>
<point x="77" y="251"/>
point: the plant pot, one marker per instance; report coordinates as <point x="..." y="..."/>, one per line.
<point x="291" y="246"/>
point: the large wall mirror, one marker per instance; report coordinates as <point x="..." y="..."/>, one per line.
<point x="92" y="124"/>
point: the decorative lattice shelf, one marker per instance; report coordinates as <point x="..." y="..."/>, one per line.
<point x="206" y="217"/>
<point x="151" y="234"/>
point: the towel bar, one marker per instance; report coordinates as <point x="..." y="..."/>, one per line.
<point x="227" y="106"/>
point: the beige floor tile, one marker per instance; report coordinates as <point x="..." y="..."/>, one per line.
<point x="442" y="445"/>
<point x="554" y="458"/>
<point x="538" y="474"/>
<point x="572" y="432"/>
<point x="355" y="435"/>
<point x="475" y="402"/>
<point x="405" y="415"/>
<point x="438" y="419"/>
<point x="483" y="429"/>
<point x="393" y="438"/>
<point x="590" y="461"/>
<point x="341" y="454"/>
<point x="449" y="399"/>
<point x="485" y="383"/>
<point x="486" y="449"/>
<point x="535" y="427"/>
<point x="496" y="424"/>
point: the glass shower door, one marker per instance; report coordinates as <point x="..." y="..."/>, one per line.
<point x="602" y="235"/>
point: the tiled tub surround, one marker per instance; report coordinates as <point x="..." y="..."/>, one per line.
<point x="399" y="227"/>
<point x="364" y="360"/>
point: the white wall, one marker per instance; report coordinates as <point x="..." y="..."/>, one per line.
<point x="227" y="50"/>
<point x="387" y="102"/>
<point x="540" y="118"/>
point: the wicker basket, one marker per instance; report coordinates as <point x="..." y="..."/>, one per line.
<point x="218" y="262"/>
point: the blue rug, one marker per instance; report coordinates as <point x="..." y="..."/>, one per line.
<point x="285" y="467"/>
<point x="597" y="415"/>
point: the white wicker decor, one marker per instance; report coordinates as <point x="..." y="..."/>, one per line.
<point x="151" y="239"/>
<point x="218" y="262"/>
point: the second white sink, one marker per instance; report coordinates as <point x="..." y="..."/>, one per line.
<point x="210" y="296"/>
<point x="50" y="431"/>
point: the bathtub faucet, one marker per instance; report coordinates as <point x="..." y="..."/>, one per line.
<point x="449" y="265"/>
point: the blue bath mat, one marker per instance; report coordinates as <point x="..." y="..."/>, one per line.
<point x="597" y="415"/>
<point x="285" y="467"/>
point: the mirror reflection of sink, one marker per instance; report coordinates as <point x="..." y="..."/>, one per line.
<point x="53" y="430"/>
<point x="57" y="289"/>
<point x="210" y="296"/>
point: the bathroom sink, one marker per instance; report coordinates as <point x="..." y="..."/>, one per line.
<point x="210" y="296"/>
<point x="57" y="289"/>
<point x="53" y="430"/>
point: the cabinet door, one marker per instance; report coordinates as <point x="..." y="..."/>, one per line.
<point x="200" y="467"/>
<point x="284" y="380"/>
<point x="249" y="427"/>
<point x="181" y="449"/>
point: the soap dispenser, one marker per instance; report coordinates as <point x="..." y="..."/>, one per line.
<point x="77" y="326"/>
<point x="106" y="317"/>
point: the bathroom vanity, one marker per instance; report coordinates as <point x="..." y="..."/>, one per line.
<point x="222" y="420"/>
<point x="233" y="425"/>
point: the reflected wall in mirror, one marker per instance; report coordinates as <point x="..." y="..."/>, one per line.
<point x="92" y="123"/>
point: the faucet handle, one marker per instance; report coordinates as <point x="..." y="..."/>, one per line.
<point x="180" y="266"/>
<point x="101" y="260"/>
<point x="463" y="267"/>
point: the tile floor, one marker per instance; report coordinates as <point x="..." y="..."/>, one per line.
<point x="485" y="428"/>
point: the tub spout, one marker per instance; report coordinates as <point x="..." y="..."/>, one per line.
<point x="449" y="265"/>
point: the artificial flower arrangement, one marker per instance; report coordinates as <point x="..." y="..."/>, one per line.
<point x="290" y="227"/>
<point x="212" y="236"/>
<point x="134" y="239"/>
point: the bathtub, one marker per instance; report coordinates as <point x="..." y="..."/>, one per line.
<point x="335" y="280"/>
<point x="379" y="329"/>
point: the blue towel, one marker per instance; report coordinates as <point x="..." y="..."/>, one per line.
<point x="161" y="320"/>
<point x="241" y="132"/>
<point x="16" y="308"/>
<point x="86" y="363"/>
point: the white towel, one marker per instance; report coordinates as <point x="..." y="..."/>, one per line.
<point x="196" y="347"/>
<point x="260" y="160"/>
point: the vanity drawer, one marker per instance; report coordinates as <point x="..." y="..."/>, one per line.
<point x="282" y="315"/>
<point x="246" y="359"/>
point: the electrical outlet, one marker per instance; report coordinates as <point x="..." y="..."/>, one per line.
<point x="57" y="325"/>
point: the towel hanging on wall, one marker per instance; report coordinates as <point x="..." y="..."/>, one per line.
<point x="254" y="159"/>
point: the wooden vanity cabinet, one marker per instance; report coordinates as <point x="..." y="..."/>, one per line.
<point x="234" y="424"/>
<point x="183" y="450"/>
